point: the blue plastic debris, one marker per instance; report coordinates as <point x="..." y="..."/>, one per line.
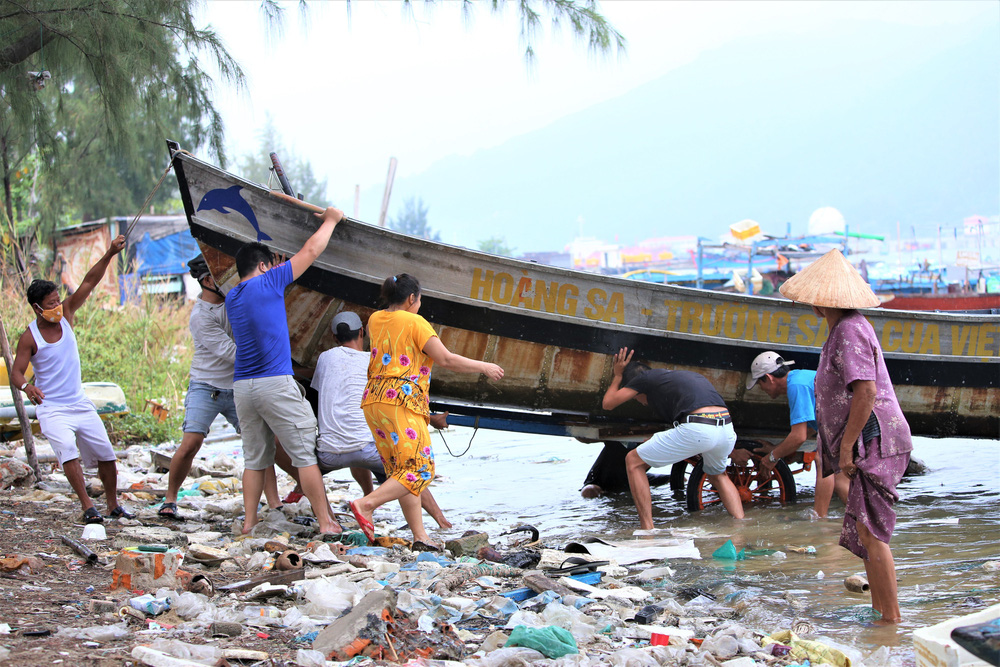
<point x="368" y="551"/>
<point x="522" y="594"/>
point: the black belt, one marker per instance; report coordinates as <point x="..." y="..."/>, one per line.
<point x="704" y="418"/>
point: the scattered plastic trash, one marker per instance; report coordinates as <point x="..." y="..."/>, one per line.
<point x="728" y="552"/>
<point x="150" y="604"/>
<point x="806" y="649"/>
<point x="94" y="532"/>
<point x="551" y="641"/>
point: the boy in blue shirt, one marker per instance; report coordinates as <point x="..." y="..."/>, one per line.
<point x="772" y="373"/>
<point x="269" y="402"/>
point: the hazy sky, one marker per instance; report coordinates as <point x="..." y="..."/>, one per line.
<point x="347" y="90"/>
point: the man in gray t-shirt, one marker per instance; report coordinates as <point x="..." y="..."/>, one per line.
<point x="210" y="388"/>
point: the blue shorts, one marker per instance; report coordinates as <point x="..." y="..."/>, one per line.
<point x="714" y="443"/>
<point x="203" y="404"/>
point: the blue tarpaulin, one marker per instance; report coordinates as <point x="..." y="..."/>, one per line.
<point x="165" y="256"/>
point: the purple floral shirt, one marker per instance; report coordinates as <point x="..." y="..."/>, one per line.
<point x="850" y="353"/>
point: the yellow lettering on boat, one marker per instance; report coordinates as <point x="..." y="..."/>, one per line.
<point x="758" y="323"/>
<point x="734" y="320"/>
<point x="673" y="308"/>
<point x="780" y="323"/>
<point x="545" y="296"/>
<point x="522" y="294"/>
<point x="931" y="343"/>
<point x="595" y="298"/>
<point x="690" y="318"/>
<point x="890" y="329"/>
<point x="711" y="320"/>
<point x="482" y="285"/>
<point x="806" y="335"/>
<point x="985" y="340"/>
<point x="567" y="299"/>
<point x="959" y="337"/>
<point x="911" y="336"/>
<point x="615" y="312"/>
<point x="503" y="288"/>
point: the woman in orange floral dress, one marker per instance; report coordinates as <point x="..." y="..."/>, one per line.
<point x="396" y="401"/>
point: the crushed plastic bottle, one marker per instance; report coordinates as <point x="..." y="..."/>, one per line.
<point x="258" y="615"/>
<point x="150" y="604"/>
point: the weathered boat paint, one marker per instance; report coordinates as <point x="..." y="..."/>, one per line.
<point x="553" y="329"/>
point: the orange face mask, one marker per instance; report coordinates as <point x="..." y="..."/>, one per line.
<point x="53" y="315"/>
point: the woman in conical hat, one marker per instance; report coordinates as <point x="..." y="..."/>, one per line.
<point x="862" y="430"/>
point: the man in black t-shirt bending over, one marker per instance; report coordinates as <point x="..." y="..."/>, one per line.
<point x="702" y="425"/>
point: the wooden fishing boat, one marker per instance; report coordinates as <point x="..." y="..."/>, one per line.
<point x="553" y="330"/>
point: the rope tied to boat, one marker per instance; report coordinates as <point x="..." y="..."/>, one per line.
<point x="467" y="448"/>
<point x="149" y="197"/>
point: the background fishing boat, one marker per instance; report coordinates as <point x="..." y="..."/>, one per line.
<point x="553" y="330"/>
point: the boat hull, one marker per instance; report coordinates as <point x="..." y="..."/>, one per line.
<point x="553" y="330"/>
<point x="947" y="302"/>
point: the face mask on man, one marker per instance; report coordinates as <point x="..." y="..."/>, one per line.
<point x="53" y="315"/>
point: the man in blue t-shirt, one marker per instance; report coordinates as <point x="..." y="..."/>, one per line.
<point x="771" y="372"/>
<point x="269" y="402"/>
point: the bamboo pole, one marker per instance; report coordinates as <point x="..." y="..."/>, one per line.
<point x="15" y="392"/>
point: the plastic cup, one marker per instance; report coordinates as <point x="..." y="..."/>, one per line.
<point x="94" y="531"/>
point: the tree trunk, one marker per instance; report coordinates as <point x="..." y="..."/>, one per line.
<point x="23" y="48"/>
<point x="22" y="417"/>
<point x="15" y="240"/>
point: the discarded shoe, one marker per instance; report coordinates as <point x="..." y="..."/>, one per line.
<point x="366" y="526"/>
<point x="91" y="515"/>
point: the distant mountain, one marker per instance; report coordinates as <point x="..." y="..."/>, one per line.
<point x="886" y="123"/>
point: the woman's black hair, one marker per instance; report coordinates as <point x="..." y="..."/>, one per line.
<point x="397" y="289"/>
<point x="344" y="333"/>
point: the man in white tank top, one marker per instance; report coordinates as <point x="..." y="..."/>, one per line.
<point x="69" y="421"/>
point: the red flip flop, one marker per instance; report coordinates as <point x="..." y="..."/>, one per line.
<point x="366" y="526"/>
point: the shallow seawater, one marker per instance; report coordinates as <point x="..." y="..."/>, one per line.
<point x="948" y="524"/>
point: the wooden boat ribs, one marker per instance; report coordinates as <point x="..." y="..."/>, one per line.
<point x="553" y="330"/>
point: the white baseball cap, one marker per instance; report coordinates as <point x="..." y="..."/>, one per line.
<point x="347" y="317"/>
<point x="766" y="362"/>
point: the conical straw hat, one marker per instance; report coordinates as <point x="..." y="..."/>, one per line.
<point x="830" y="282"/>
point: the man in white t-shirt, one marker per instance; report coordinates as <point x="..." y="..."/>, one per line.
<point x="345" y="441"/>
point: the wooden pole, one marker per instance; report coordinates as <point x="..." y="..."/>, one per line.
<point x="15" y="392"/>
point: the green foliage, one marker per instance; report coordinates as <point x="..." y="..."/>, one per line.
<point x="124" y="77"/>
<point x="142" y="348"/>
<point x="496" y="245"/>
<point x="412" y="220"/>
<point x="138" y="428"/>
<point x="299" y="172"/>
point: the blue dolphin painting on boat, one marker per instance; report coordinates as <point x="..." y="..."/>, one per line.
<point x="228" y="199"/>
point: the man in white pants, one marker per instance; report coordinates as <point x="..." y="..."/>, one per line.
<point x="701" y="425"/>
<point x="68" y="419"/>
